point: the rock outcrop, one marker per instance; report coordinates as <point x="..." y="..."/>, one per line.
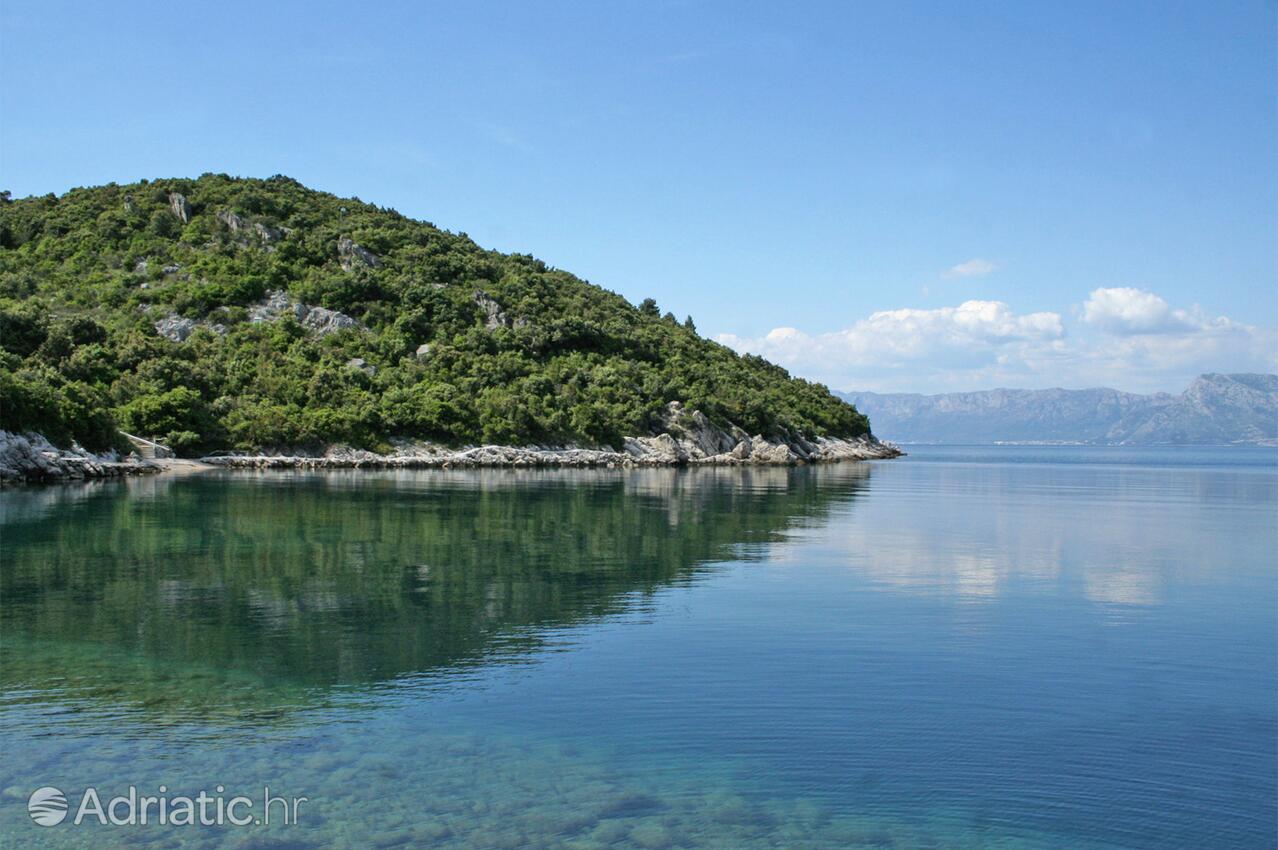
<point x="176" y="327"/>
<point x="179" y="329"/>
<point x="277" y="305"/>
<point x="362" y="365"/>
<point x="246" y="231"/>
<point x="30" y="457"/>
<point x="682" y="438"/>
<point x="688" y="438"/>
<point x="351" y="255"/>
<point x="494" y="316"/>
<point x="181" y="208"/>
<point x="661" y="450"/>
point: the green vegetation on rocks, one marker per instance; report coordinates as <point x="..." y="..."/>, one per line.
<point x="226" y="313"/>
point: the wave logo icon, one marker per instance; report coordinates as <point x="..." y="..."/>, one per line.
<point x="47" y="806"/>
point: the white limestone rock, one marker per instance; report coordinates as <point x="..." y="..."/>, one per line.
<point x="352" y="255"/>
<point x="180" y="207"/>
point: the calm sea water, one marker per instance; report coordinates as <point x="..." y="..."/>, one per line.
<point x="966" y="648"/>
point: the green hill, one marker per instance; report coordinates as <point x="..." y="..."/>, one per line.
<point x="240" y="313"/>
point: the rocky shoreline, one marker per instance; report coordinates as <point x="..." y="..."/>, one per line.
<point x="684" y="438"/>
<point x="635" y="455"/>
<point x="30" y="458"/>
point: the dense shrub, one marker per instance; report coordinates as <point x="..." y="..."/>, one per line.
<point x="517" y="351"/>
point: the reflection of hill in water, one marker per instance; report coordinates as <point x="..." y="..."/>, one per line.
<point x="209" y="594"/>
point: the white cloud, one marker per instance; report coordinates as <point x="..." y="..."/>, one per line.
<point x="973" y="333"/>
<point x="1124" y="311"/>
<point x="975" y="267"/>
<point x="1128" y="339"/>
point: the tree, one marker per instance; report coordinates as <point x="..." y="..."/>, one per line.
<point x="85" y="277"/>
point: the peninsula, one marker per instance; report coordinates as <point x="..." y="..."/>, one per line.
<point x="260" y="323"/>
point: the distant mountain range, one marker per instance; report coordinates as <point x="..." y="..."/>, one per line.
<point x="1215" y="410"/>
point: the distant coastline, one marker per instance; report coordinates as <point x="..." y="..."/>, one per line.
<point x="1215" y="410"/>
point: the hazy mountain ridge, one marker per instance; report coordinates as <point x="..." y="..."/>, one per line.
<point x="1216" y="409"/>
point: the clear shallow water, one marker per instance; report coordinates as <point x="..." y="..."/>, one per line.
<point x="971" y="647"/>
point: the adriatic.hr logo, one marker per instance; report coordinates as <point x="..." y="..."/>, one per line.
<point x="48" y="806"/>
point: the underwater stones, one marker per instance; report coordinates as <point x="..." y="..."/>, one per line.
<point x="628" y="804"/>
<point x="651" y="835"/>
<point x="432" y="832"/>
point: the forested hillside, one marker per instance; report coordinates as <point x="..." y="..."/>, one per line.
<point x="241" y="313"/>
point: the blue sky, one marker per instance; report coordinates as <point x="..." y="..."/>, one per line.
<point x="914" y="197"/>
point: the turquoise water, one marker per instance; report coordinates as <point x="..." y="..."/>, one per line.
<point x="1002" y="647"/>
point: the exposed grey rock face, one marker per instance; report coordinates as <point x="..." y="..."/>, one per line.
<point x="1216" y="409"/>
<point x="494" y="316"/>
<point x="179" y="329"/>
<point x="660" y="450"/>
<point x="239" y="225"/>
<point x="423" y="351"/>
<point x="361" y="364"/>
<point x="275" y="306"/>
<point x="180" y="207"/>
<point x="232" y="221"/>
<point x="352" y="254"/>
<point x="30" y="457"/>
<point x="175" y="327"/>
<point x="691" y="439"/>
<point x="278" y="305"/>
